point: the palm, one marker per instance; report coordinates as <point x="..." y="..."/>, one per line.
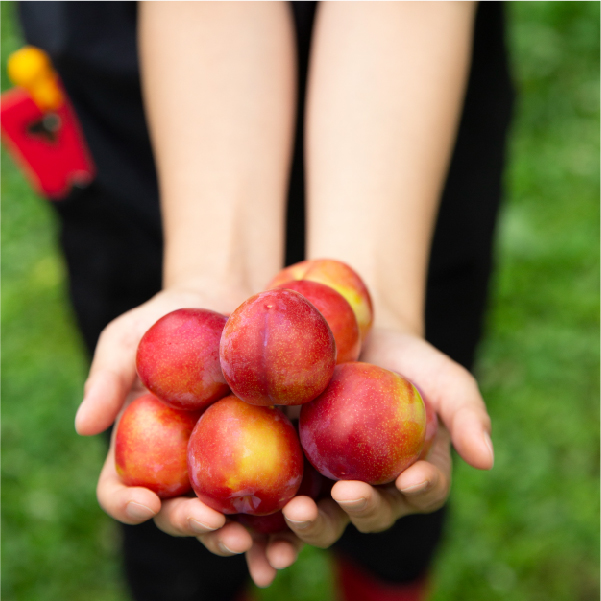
<point x="425" y="485"/>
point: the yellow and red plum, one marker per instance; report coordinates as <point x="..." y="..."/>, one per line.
<point x="178" y="359"/>
<point x="151" y="445"/>
<point x="368" y="425"/>
<point x="337" y="312"/>
<point x="337" y="275"/>
<point x="273" y="523"/>
<point x="243" y="458"/>
<point x="277" y="349"/>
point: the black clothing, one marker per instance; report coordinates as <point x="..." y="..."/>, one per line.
<point x="111" y="236"/>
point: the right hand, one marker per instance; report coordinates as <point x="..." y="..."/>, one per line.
<point x="111" y="385"/>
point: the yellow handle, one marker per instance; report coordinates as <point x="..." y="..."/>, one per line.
<point x="31" y="69"/>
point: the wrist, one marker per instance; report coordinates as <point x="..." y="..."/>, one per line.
<point x="218" y="295"/>
<point x="398" y="319"/>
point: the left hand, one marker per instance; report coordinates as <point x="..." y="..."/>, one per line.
<point x="424" y="486"/>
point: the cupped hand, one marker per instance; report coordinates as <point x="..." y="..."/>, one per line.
<point x="111" y="385"/>
<point x="112" y="374"/>
<point x="424" y="486"/>
<point x="189" y="516"/>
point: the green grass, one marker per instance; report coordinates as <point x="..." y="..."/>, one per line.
<point x="529" y="530"/>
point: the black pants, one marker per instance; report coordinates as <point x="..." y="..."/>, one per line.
<point x="111" y="237"/>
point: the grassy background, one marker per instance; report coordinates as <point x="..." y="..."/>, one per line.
<point x="528" y="530"/>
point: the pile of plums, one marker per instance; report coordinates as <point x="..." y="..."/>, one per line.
<point x="211" y="421"/>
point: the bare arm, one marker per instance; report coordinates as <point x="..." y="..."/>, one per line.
<point x="386" y="86"/>
<point x="219" y="85"/>
<point x="218" y="81"/>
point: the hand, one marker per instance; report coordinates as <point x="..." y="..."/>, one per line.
<point x="424" y="486"/>
<point x="111" y="385"/>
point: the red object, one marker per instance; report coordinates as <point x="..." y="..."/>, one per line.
<point x="243" y="458"/>
<point x="48" y="146"/>
<point x="178" y="359"/>
<point x="356" y="584"/>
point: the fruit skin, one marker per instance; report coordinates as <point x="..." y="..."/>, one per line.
<point x="244" y="459"/>
<point x="431" y="424"/>
<point x="178" y="359"/>
<point x="151" y="446"/>
<point x="368" y="425"/>
<point x="273" y="523"/>
<point x="337" y="312"/>
<point x="337" y="275"/>
<point x="277" y="349"/>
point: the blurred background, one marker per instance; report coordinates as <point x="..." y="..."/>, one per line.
<point x="528" y="530"/>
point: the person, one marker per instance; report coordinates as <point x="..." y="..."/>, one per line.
<point x="396" y="138"/>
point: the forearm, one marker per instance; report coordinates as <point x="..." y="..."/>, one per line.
<point x="218" y="82"/>
<point x="386" y="86"/>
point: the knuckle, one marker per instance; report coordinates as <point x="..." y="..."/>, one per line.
<point x="316" y="538"/>
<point x="372" y="527"/>
<point x="432" y="505"/>
<point x="180" y="520"/>
<point x="322" y="544"/>
<point x="433" y="501"/>
<point x="375" y="523"/>
<point x="169" y="522"/>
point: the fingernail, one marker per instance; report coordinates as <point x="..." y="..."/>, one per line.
<point x="199" y="527"/>
<point x="137" y="511"/>
<point x="415" y="488"/>
<point x="354" y="504"/>
<point x="299" y="524"/>
<point x="488" y="443"/>
<point x="225" y="549"/>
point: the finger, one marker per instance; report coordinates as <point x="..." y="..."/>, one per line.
<point x="463" y="412"/>
<point x="319" y="525"/>
<point x="448" y="386"/>
<point x="112" y="374"/>
<point x="130" y="505"/>
<point x="424" y="487"/>
<point x="232" y="539"/>
<point x="369" y="509"/>
<point x="283" y="549"/>
<point x="260" y="570"/>
<point x="186" y="516"/>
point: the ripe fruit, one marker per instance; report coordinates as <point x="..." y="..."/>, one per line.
<point x="337" y="275"/>
<point x="151" y="446"/>
<point x="178" y="359"/>
<point x="273" y="523"/>
<point x="337" y="312"/>
<point x="277" y="349"/>
<point x="368" y="425"/>
<point x="244" y="459"/>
